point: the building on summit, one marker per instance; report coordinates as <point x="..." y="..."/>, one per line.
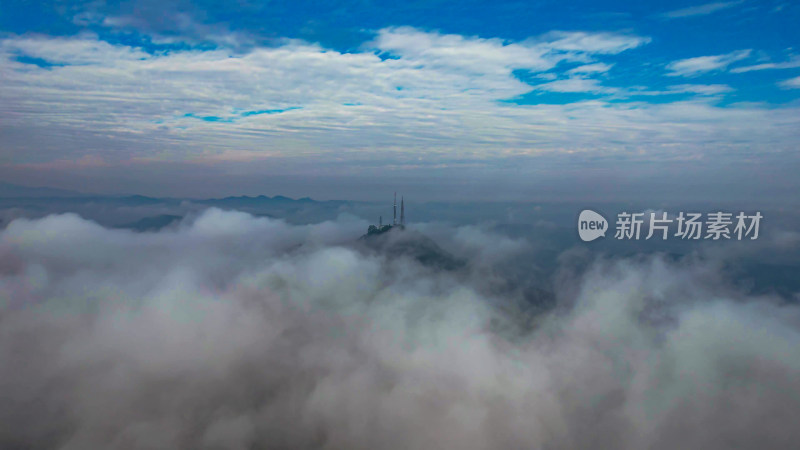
<point x="381" y="228"/>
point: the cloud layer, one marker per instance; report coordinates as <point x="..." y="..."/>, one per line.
<point x="237" y="332"/>
<point x="695" y="66"/>
<point x="407" y="95"/>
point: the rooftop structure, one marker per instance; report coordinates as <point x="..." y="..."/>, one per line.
<point x="381" y="228"/>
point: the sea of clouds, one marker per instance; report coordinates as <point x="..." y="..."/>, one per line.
<point x="229" y="331"/>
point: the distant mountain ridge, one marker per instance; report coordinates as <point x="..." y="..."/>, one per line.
<point x="8" y="190"/>
<point x="245" y="200"/>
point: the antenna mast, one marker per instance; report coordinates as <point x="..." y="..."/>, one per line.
<point x="394" y="206"/>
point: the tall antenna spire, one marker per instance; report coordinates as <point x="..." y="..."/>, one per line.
<point x="402" y="212"/>
<point x="394" y="206"/>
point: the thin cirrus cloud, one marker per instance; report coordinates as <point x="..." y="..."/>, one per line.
<point x="699" y="10"/>
<point x="790" y="64"/>
<point x="703" y="64"/>
<point x="575" y="84"/>
<point x="700" y="89"/>
<point x="792" y="83"/>
<point x="591" y="68"/>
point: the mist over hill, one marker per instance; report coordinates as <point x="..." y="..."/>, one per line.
<point x="226" y="330"/>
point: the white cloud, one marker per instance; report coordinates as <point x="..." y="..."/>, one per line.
<point x="575" y="84"/>
<point x="480" y="56"/>
<point x="591" y="68"/>
<point x="791" y="83"/>
<point x="702" y="64"/>
<point x="702" y="89"/>
<point x="699" y="10"/>
<point x="438" y="97"/>
<point x="435" y="84"/>
<point x="791" y="64"/>
<point x="698" y="89"/>
<point x="476" y="55"/>
<point x="585" y="42"/>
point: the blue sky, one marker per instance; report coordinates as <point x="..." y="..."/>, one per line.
<point x="329" y="98"/>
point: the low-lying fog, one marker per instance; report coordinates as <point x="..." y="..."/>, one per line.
<point x="231" y="331"/>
